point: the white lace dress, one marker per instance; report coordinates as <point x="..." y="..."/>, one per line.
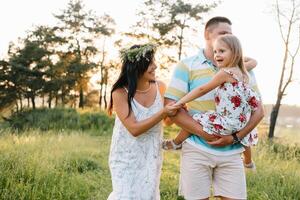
<point x="135" y="162"/>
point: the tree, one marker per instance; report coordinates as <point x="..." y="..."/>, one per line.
<point x="288" y="20"/>
<point x="81" y="29"/>
<point x="168" y="23"/>
<point x="106" y="29"/>
<point x="8" y="94"/>
<point x="27" y="69"/>
<point x="48" y="39"/>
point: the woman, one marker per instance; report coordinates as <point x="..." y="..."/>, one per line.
<point x="135" y="156"/>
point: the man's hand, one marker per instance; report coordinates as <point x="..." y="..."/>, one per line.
<point x="223" y="140"/>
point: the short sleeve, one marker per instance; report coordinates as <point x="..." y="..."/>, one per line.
<point x="253" y="99"/>
<point x="253" y="82"/>
<point x="179" y="83"/>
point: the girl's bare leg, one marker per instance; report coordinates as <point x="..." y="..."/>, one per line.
<point x="247" y="155"/>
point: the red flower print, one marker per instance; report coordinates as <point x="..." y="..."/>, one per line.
<point x="236" y="100"/>
<point x="222" y="85"/>
<point x="212" y="118"/>
<point x="242" y="118"/>
<point x="253" y="102"/>
<point x="217" y="100"/>
<point x="218" y="126"/>
<point x="250" y="139"/>
<point x="234" y="83"/>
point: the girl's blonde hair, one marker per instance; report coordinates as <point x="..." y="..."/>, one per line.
<point x="235" y="47"/>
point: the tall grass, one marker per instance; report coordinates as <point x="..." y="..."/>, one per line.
<point x="65" y="164"/>
<point x="50" y="166"/>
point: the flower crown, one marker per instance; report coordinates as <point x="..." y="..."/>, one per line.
<point x="135" y="54"/>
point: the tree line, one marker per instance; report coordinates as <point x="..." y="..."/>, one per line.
<point x="55" y="63"/>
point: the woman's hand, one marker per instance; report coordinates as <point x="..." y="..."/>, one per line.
<point x="171" y="109"/>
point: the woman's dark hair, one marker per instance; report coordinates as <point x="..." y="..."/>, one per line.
<point x="131" y="71"/>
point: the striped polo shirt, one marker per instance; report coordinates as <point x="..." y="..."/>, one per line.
<point x="189" y="74"/>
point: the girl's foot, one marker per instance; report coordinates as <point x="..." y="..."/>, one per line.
<point x="170" y="145"/>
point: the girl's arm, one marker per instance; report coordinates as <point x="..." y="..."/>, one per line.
<point x="250" y="63"/>
<point x="217" y="80"/>
<point x="135" y="127"/>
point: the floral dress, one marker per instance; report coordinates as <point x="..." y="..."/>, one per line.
<point x="135" y="162"/>
<point x="234" y="103"/>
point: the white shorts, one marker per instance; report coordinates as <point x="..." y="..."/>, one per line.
<point x="199" y="171"/>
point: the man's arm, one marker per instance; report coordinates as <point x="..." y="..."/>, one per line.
<point x="186" y="122"/>
<point x="255" y="118"/>
<point x="249" y="63"/>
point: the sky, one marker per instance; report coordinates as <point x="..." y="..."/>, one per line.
<point x="253" y="22"/>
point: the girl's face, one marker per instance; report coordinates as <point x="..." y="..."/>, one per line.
<point x="222" y="54"/>
<point x="149" y="75"/>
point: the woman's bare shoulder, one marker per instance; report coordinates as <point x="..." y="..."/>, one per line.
<point x="119" y="93"/>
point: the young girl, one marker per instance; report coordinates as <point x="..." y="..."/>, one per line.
<point x="135" y="155"/>
<point x="234" y="99"/>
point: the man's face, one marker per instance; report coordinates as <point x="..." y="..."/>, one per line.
<point x="217" y="30"/>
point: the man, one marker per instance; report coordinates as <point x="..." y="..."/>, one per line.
<point x="217" y="164"/>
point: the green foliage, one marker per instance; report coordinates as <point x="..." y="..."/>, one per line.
<point x="59" y="119"/>
<point x="54" y="62"/>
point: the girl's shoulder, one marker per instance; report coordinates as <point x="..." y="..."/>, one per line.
<point x="233" y="72"/>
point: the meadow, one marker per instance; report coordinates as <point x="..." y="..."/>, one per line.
<point x="63" y="154"/>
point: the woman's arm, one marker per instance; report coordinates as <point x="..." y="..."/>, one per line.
<point x="217" y="80"/>
<point x="136" y="128"/>
<point x="249" y="63"/>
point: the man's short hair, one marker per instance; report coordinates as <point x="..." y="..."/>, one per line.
<point x="216" y="20"/>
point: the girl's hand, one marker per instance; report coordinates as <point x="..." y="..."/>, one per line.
<point x="178" y="104"/>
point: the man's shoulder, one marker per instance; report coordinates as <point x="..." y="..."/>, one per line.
<point x="196" y="60"/>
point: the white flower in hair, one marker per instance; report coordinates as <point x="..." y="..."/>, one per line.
<point x="135" y="54"/>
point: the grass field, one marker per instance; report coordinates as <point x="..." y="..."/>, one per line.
<point x="72" y="164"/>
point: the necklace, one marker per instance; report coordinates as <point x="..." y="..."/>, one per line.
<point x="145" y="91"/>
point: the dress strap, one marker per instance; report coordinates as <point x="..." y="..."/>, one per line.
<point x="156" y="85"/>
<point x="231" y="74"/>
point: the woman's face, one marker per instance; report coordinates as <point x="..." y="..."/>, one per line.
<point x="149" y="75"/>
